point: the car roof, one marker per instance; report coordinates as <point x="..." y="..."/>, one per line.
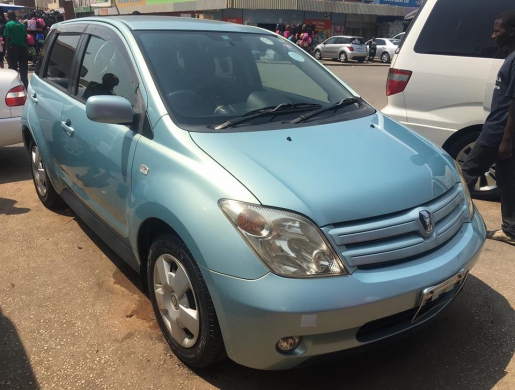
<point x="346" y="36"/>
<point x="153" y="22"/>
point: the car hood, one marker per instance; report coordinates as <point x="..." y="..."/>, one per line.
<point x="335" y="172"/>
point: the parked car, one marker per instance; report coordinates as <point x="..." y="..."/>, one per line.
<point x="12" y="99"/>
<point x="272" y="213"/>
<point x="343" y="48"/>
<point x="385" y="48"/>
<point x="441" y="82"/>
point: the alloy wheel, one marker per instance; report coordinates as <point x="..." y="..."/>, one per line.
<point x="176" y="300"/>
<point x="38" y="170"/>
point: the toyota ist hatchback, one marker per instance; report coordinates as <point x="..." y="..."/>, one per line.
<point x="237" y="185"/>
<point x="343" y="48"/>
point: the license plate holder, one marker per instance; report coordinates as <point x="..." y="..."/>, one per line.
<point x="431" y="295"/>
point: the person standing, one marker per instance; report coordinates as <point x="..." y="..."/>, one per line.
<point x="496" y="142"/>
<point x="372" y="49"/>
<point x="15" y="35"/>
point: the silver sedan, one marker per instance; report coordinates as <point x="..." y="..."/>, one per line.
<point x="385" y="49"/>
<point x="12" y="99"/>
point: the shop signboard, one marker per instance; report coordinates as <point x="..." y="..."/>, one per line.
<point x="100" y="3"/>
<point x="233" y="20"/>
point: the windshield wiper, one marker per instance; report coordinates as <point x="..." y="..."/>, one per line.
<point x="282" y="108"/>
<point x="335" y="106"/>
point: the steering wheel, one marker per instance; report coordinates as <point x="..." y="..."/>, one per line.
<point x="100" y="61"/>
<point x="186" y="102"/>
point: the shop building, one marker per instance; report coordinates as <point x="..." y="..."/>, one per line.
<point x="379" y="18"/>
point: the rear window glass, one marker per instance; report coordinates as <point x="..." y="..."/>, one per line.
<point x="355" y="41"/>
<point x="462" y="28"/>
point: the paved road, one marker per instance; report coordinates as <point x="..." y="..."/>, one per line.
<point x="72" y="314"/>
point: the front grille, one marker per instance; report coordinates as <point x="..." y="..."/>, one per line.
<point x="401" y="235"/>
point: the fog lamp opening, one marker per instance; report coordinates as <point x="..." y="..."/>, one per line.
<point x="288" y="344"/>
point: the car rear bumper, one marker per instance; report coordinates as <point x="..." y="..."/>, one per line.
<point x="355" y="55"/>
<point x="10" y="131"/>
<point x="334" y="313"/>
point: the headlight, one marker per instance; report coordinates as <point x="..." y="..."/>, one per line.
<point x="468" y="198"/>
<point x="287" y="243"/>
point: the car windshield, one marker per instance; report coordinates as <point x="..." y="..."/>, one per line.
<point x="209" y="78"/>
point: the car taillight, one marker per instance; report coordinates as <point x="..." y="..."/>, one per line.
<point x="397" y="81"/>
<point x="16" y="96"/>
<point x="350" y="48"/>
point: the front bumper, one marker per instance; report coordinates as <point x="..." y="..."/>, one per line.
<point x="328" y="312"/>
<point x="10" y="131"/>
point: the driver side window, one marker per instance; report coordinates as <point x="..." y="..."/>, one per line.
<point x="104" y="71"/>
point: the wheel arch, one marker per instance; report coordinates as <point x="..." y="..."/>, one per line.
<point x="148" y="231"/>
<point x="27" y="136"/>
<point x="459" y="134"/>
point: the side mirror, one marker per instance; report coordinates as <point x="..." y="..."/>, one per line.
<point x="109" y="109"/>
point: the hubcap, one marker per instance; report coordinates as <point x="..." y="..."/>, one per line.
<point x="486" y="182"/>
<point x="38" y="171"/>
<point x="385" y="57"/>
<point x="176" y="300"/>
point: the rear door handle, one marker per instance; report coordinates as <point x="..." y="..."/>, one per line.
<point x="67" y="128"/>
<point x="34" y="98"/>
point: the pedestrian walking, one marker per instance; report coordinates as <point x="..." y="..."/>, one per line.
<point x="15" y="35"/>
<point x="496" y="141"/>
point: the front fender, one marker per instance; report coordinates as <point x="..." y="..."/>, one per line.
<point x="182" y="189"/>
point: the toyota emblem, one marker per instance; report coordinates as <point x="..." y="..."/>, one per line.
<point x="426" y="218"/>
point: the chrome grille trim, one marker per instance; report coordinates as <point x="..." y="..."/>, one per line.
<point x="400" y="235"/>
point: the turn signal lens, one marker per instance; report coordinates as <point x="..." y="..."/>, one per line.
<point x="17" y="96"/>
<point x="253" y="223"/>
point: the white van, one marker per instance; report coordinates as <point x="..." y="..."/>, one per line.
<point x="441" y="81"/>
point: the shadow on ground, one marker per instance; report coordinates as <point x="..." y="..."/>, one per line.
<point x="15" y="369"/>
<point x="14" y="161"/>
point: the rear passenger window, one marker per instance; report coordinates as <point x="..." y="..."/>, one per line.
<point x="59" y="66"/>
<point x="380" y="42"/>
<point x="462" y="28"/>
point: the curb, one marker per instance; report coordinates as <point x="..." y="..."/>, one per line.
<point x="336" y="63"/>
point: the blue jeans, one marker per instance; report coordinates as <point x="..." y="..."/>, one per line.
<point x="480" y="159"/>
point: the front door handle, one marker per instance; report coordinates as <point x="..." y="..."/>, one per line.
<point x="34" y="98"/>
<point x="67" y="128"/>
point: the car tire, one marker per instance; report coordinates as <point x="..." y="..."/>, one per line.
<point x="318" y="55"/>
<point x="486" y="187"/>
<point x="44" y="188"/>
<point x="182" y="303"/>
<point x="385" y="57"/>
<point x="343" y="57"/>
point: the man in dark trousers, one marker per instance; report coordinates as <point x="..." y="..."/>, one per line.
<point x="15" y="34"/>
<point x="496" y="141"/>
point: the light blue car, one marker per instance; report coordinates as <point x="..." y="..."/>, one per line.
<point x="272" y="213"/>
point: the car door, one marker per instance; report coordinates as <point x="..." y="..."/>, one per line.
<point x="48" y="90"/>
<point x="381" y="47"/>
<point x="328" y="49"/>
<point x="100" y="177"/>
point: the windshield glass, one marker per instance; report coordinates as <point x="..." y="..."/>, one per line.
<point x="209" y="78"/>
